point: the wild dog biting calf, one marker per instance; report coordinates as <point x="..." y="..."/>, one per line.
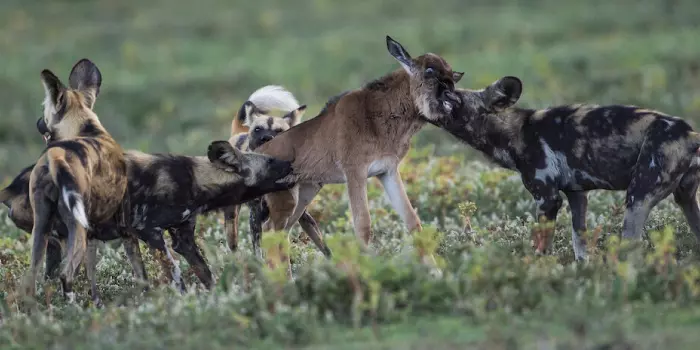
<point x="167" y="192"/>
<point x="360" y="134"/>
<point x="578" y="148"/>
<point x="81" y="176"/>
<point x="252" y="127"/>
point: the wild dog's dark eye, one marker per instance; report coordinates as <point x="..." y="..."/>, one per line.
<point x="429" y="71"/>
<point x="257" y="129"/>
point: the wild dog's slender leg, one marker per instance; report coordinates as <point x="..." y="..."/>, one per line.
<point x="548" y="204"/>
<point x="154" y="238"/>
<point x="578" y="202"/>
<point x="231" y="215"/>
<point x="184" y="243"/>
<point x="357" y="191"/>
<point x="255" y="222"/>
<point x="653" y="179"/>
<point x="76" y="248"/>
<point x="396" y="193"/>
<point x="685" y="197"/>
<point x="42" y="216"/>
<point x="53" y="258"/>
<point x="133" y="253"/>
<point x="91" y="269"/>
<point x="309" y="225"/>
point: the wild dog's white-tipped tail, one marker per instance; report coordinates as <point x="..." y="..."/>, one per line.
<point x="74" y="202"/>
<point x="274" y="97"/>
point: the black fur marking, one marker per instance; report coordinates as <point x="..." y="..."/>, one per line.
<point x="270" y="121"/>
<point x="89" y="129"/>
<point x="21" y="182"/>
<point x="241" y="111"/>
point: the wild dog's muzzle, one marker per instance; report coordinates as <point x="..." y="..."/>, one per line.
<point x="43" y="129"/>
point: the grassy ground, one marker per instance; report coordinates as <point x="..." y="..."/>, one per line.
<point x="493" y="292"/>
<point x="175" y="72"/>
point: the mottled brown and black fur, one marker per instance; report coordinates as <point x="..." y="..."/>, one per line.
<point x="262" y="127"/>
<point x="81" y="176"/>
<point x="583" y="147"/>
<point x="167" y="192"/>
<point x="363" y="133"/>
<point x="16" y="197"/>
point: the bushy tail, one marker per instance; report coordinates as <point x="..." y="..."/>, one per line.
<point x="274" y="97"/>
<point x="70" y="192"/>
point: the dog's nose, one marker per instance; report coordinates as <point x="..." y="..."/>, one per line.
<point x="266" y="138"/>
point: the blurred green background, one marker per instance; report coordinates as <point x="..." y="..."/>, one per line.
<point x="176" y="71"/>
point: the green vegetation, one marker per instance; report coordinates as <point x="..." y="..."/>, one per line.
<point x="491" y="291"/>
<point x="174" y="74"/>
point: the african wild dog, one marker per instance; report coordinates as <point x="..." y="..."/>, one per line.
<point x="167" y="192"/>
<point x="578" y="148"/>
<point x="16" y="197"/>
<point x="260" y="127"/>
<point x="81" y="176"/>
<point x="359" y="134"/>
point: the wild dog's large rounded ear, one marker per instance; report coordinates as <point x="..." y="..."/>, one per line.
<point x="86" y="78"/>
<point x="294" y="117"/>
<point x="53" y="87"/>
<point x="396" y="50"/>
<point x="457" y="76"/>
<point x="504" y="93"/>
<point x="245" y="112"/>
<point x="222" y="153"/>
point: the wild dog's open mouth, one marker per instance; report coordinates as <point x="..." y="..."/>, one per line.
<point x="47" y="137"/>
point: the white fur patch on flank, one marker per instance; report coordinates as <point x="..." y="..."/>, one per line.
<point x="274" y="97"/>
<point x="78" y="209"/>
<point x="556" y="165"/>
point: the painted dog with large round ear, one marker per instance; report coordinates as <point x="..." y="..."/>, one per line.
<point x="582" y="147"/>
<point x="81" y="176"/>
<point x="252" y="127"/>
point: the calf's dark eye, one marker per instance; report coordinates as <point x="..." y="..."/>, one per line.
<point x="429" y="71"/>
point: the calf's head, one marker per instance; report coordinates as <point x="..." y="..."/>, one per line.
<point x="432" y="81"/>
<point x="259" y="172"/>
